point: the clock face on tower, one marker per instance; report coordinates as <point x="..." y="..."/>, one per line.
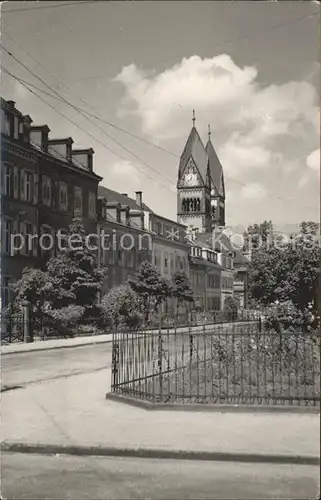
<point x="190" y="177"/>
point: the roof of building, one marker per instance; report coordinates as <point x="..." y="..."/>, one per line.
<point x="216" y="169"/>
<point x="220" y="243"/>
<point x="115" y="196"/>
<point x="194" y="147"/>
<point x="240" y="259"/>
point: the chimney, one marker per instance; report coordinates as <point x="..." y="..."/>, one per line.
<point x="139" y="198"/>
<point x="83" y="158"/>
<point x="11" y="104"/>
<point x="39" y="136"/>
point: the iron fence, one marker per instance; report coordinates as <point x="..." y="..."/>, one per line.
<point x="220" y="364"/>
<point x="15" y="327"/>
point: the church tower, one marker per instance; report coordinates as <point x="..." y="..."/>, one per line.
<point x="217" y="185"/>
<point x="200" y="185"/>
<point x="193" y="185"/>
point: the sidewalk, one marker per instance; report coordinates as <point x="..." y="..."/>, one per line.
<point x="72" y="416"/>
<point x="44" y="345"/>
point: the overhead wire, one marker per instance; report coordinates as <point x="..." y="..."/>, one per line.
<point x="85" y="114"/>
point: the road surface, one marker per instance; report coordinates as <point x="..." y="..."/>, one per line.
<point x="31" y="367"/>
<point x="70" y="477"/>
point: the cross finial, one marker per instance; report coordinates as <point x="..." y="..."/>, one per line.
<point x="193" y="117"/>
<point x="209" y="132"/>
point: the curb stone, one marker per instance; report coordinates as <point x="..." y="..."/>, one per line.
<point x="48" y="348"/>
<point x="154" y="453"/>
<point x="211" y="407"/>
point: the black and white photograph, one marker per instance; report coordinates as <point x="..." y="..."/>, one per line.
<point x="160" y="250"/>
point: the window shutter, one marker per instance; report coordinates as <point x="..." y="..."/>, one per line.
<point x="34" y="242"/>
<point x="35" y="188"/>
<point x="22" y="185"/>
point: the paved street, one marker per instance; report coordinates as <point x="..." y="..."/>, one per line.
<point x="25" y="368"/>
<point x="64" y="477"/>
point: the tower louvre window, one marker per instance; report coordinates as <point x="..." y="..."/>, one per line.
<point x="190" y="205"/>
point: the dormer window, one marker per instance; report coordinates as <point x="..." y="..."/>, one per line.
<point x="16" y="127"/>
<point x="5" y="122"/>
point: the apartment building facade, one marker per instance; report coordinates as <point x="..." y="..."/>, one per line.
<point x="44" y="185"/>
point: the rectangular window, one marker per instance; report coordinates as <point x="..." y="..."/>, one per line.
<point x="28" y="240"/>
<point x="63" y="196"/>
<point x="28" y="187"/>
<point x="46" y="191"/>
<point x="8" y="230"/>
<point x="6" y="291"/>
<point x="92" y="205"/>
<point x="47" y="246"/>
<point x="8" y="181"/>
<point x="16" y="127"/>
<point x="5" y="123"/>
<point x="77" y="201"/>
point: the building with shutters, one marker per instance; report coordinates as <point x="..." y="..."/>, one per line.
<point x="44" y="185"/>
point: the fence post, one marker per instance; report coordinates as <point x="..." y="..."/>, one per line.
<point x="115" y="360"/>
<point x="160" y="362"/>
<point x="26" y="324"/>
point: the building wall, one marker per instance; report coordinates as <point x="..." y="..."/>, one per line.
<point x="17" y="209"/>
<point x="206" y="283"/>
<point x="240" y="285"/>
<point x="227" y="278"/>
<point x="26" y="206"/>
<point x="123" y="254"/>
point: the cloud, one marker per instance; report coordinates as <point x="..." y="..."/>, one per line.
<point x="164" y="101"/>
<point x="263" y="134"/>
<point x="219" y="90"/>
<point x="313" y="160"/>
<point x="125" y="176"/>
<point x="253" y="191"/>
<point x="303" y="181"/>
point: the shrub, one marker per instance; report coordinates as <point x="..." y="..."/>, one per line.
<point x="287" y="318"/>
<point x="120" y="308"/>
<point x="63" y="321"/>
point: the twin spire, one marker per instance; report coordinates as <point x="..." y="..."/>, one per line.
<point x="209" y="126"/>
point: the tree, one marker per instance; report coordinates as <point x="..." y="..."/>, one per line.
<point x="151" y="288"/>
<point x="181" y="288"/>
<point x="257" y="235"/>
<point x="290" y="272"/>
<point x="120" y="307"/>
<point x="74" y="273"/>
<point x="35" y="288"/>
<point x="68" y="288"/>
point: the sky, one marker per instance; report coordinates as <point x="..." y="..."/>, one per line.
<point x="249" y="69"/>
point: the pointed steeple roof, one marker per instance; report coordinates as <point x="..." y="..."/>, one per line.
<point x="216" y="169"/>
<point x="194" y="148"/>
